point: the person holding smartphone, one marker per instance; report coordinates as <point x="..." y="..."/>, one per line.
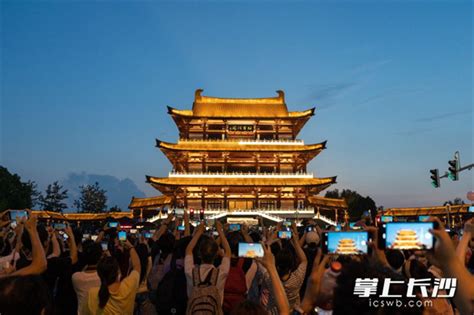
<point x="291" y="280"/>
<point x="115" y="296"/>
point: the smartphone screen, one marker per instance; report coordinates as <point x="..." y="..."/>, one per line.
<point x="310" y="229"/>
<point x="287" y="223"/>
<point x="59" y="226"/>
<point x="63" y="235"/>
<point x="113" y="224"/>
<point x="180" y="227"/>
<point x="346" y="243"/>
<point x="122" y="236"/>
<point x="147" y="234"/>
<point x="284" y="235"/>
<point x="250" y="250"/>
<point x="234" y="227"/>
<point x="17" y="215"/>
<point x="94" y="237"/>
<point x="408" y="235"/>
<point x="104" y="246"/>
<point x="386" y="218"/>
<point x="471" y="209"/>
<point x="423" y="218"/>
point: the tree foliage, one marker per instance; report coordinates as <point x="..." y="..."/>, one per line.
<point x="54" y="197"/>
<point x="14" y="194"/>
<point x="92" y="200"/>
<point x="115" y="209"/>
<point x="357" y="203"/>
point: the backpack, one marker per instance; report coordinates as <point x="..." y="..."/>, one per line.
<point x="171" y="295"/>
<point x="235" y="287"/>
<point x="205" y="298"/>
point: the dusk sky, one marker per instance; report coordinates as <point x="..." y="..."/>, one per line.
<point x="85" y="87"/>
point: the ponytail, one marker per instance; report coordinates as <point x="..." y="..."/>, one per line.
<point x="104" y="295"/>
<point x="108" y="271"/>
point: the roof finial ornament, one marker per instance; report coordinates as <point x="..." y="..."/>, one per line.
<point x="281" y="95"/>
<point x="197" y="95"/>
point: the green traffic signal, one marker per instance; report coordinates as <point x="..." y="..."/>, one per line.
<point x="435" y="178"/>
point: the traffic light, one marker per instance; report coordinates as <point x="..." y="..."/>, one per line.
<point x="191" y="214"/>
<point x="453" y="169"/>
<point x="435" y="178"/>
<point x="201" y="214"/>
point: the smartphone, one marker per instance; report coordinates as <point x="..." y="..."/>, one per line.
<point x="180" y="227"/>
<point x="250" y="250"/>
<point x="386" y="218"/>
<point x="63" y="235"/>
<point x="113" y="224"/>
<point x="94" y="237"/>
<point x="423" y="218"/>
<point x="234" y="227"/>
<point x="17" y="215"/>
<point x="147" y="234"/>
<point x="338" y="227"/>
<point x="133" y="231"/>
<point x="122" y="236"/>
<point x="471" y="209"/>
<point x="215" y="233"/>
<point x="310" y="229"/>
<point x="284" y="235"/>
<point x="287" y="223"/>
<point x="345" y="242"/>
<point x="104" y="245"/>
<point x="59" y="226"/>
<point x="407" y="235"/>
<point x="353" y="226"/>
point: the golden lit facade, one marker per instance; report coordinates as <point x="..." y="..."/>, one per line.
<point x="239" y="155"/>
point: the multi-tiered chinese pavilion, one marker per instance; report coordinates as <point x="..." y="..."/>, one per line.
<point x="239" y="155"/>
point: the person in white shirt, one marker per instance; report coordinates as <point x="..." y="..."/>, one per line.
<point x="208" y="249"/>
<point x="88" y="278"/>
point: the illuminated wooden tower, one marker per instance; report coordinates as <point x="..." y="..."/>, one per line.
<point x="237" y="154"/>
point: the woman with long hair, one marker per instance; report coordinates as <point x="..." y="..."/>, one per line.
<point x="115" y="296"/>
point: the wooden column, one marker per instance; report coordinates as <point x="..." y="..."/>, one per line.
<point x="279" y="198"/>
<point x="277" y="130"/>
<point x="225" y="206"/>
<point x="204" y="130"/>
<point x="203" y="201"/>
<point x="225" y="129"/>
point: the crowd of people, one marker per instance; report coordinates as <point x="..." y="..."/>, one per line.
<point x="183" y="267"/>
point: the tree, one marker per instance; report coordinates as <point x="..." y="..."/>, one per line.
<point x="92" y="200"/>
<point x="356" y="203"/>
<point x="34" y="193"/>
<point x="457" y="201"/>
<point x="115" y="209"/>
<point x="14" y="194"/>
<point x="54" y="198"/>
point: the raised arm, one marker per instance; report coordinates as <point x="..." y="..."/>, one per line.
<point x="445" y="258"/>
<point x="187" y="230"/>
<point x="223" y="239"/>
<point x="163" y="227"/>
<point x="313" y="285"/>
<point x="197" y="234"/>
<point x="71" y="244"/>
<point x="464" y="242"/>
<point x="279" y="294"/>
<point x="245" y="233"/>
<point x="38" y="264"/>
<point x="296" y="244"/>
<point x="133" y="257"/>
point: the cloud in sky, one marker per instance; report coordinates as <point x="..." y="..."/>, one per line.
<point x="119" y="191"/>
<point x="443" y="116"/>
